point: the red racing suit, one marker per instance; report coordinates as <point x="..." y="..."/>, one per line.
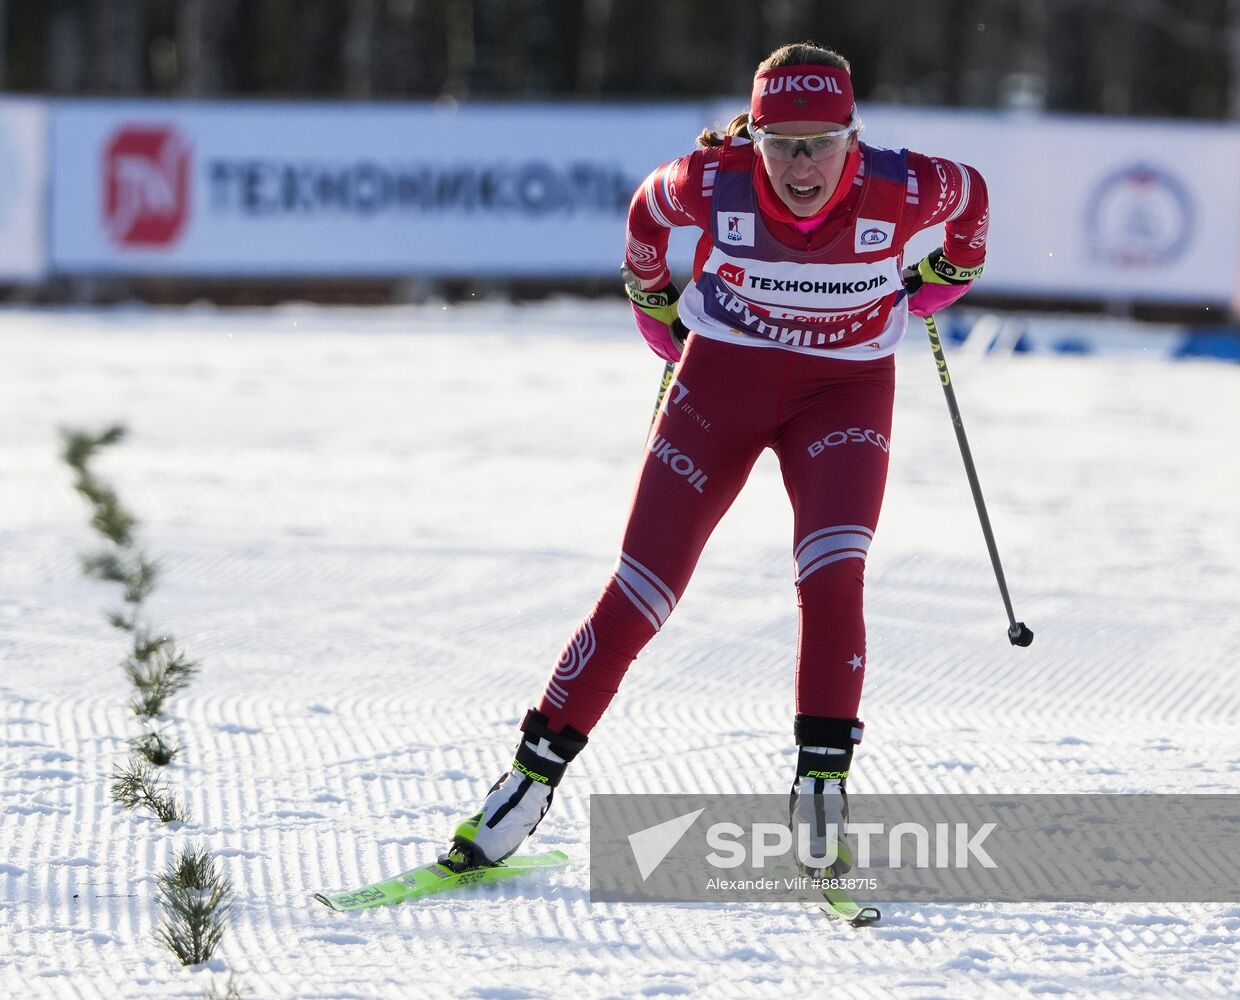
<point x="794" y="324"/>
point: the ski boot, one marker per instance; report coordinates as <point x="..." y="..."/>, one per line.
<point x="519" y="800"/>
<point x="818" y="803"/>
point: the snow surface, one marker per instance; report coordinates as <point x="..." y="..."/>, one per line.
<point x="376" y="529"/>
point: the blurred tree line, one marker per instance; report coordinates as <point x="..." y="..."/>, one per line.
<point x="1125" y="57"/>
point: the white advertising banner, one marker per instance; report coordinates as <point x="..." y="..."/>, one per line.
<point x="1092" y="207"/>
<point x="236" y="189"/>
<point x="1081" y="207"/>
<point x="23" y="201"/>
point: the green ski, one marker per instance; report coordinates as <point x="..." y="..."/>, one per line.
<point x="838" y="903"/>
<point x="421" y="882"/>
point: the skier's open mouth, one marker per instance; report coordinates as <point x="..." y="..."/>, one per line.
<point x="800" y="193"/>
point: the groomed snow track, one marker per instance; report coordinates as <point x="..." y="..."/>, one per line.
<point x="376" y="529"/>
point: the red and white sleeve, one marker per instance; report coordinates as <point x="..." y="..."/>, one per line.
<point x="673" y="195"/>
<point x="942" y="190"/>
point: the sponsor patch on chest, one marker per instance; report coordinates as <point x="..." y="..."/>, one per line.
<point x="736" y="228"/>
<point x="872" y="235"/>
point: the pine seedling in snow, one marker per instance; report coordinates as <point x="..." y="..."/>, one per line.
<point x="115" y="523"/>
<point x="157" y="673"/>
<point x="146" y="645"/>
<point x="107" y="565"/>
<point x="133" y="571"/>
<point x="79" y="446"/>
<point x="98" y="493"/>
<point x="120" y="562"/>
<point x="140" y="580"/>
<point x="194" y="868"/>
<point x="155" y="667"/>
<point x="135" y="784"/>
<point x="153" y="748"/>
<point x="130" y="568"/>
<point x="195" y="898"/>
<point x="110" y="519"/>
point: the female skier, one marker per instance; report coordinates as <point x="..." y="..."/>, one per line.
<point x="785" y="339"/>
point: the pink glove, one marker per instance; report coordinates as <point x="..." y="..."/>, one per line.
<point x="659" y="335"/>
<point x="929" y="299"/>
<point x="657" y="318"/>
<point x="935" y="283"/>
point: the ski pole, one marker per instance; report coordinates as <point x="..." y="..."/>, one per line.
<point x="669" y="371"/>
<point x="1018" y="632"/>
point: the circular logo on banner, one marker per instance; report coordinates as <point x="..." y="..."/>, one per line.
<point x="145" y="185"/>
<point x="1138" y="216"/>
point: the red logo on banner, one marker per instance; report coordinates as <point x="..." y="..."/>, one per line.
<point x="732" y="273"/>
<point x="146" y="185"/>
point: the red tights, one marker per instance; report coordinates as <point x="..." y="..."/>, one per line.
<point x="829" y="423"/>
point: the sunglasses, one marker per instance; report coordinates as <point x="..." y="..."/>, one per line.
<point x="816" y="145"/>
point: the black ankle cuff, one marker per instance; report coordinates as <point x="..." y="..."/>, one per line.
<point x="567" y="743"/>
<point x="823" y="731"/>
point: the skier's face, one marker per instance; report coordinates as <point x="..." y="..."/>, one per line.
<point x="803" y="183"/>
